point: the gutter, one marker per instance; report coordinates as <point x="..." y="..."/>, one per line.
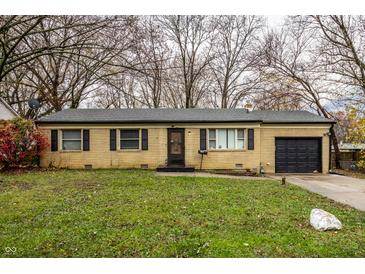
<point x="330" y="149"/>
<point x="174" y="121"/>
<point x="301" y="122"/>
<point x="144" y="122"/>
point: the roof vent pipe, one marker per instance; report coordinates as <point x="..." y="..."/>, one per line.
<point x="248" y="106"/>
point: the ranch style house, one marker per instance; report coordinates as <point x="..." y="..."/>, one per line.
<point x="188" y="139"/>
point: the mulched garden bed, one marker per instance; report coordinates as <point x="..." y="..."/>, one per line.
<point x="234" y="172"/>
<point x="24" y="170"/>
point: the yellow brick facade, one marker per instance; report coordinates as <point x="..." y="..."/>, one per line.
<point x="100" y="155"/>
<point x="269" y="132"/>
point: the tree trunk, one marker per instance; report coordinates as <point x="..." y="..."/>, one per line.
<point x="335" y="146"/>
<point x="333" y="137"/>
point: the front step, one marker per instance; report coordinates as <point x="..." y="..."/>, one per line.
<point x="175" y="169"/>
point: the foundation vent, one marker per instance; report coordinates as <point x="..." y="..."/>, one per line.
<point x="88" y="167"/>
<point x="239" y="166"/>
<point x="144" y="166"/>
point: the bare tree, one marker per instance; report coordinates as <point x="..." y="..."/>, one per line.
<point x="15" y="89"/>
<point x="277" y="93"/>
<point x="237" y="56"/>
<point x="342" y="45"/>
<point x="14" y="30"/>
<point x="155" y="56"/>
<point x="64" y="78"/>
<point x="182" y="62"/>
<point x="119" y="92"/>
<point x="192" y="37"/>
<point x="292" y="56"/>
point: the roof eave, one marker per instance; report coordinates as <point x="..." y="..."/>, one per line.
<point x="144" y="122"/>
<point x="180" y="121"/>
<point x="301" y="122"/>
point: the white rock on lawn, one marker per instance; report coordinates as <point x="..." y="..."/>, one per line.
<point x="323" y="220"/>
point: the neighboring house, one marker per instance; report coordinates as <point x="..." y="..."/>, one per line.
<point x="269" y="141"/>
<point x="6" y="112"/>
<point x="349" y="154"/>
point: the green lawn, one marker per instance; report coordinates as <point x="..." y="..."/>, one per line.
<point x="119" y="213"/>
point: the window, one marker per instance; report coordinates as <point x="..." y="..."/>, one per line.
<point x="240" y="138"/>
<point x="71" y="139"/>
<point x="231" y="140"/>
<point x="212" y="138"/>
<point x="226" y="138"/>
<point x="129" y="139"/>
<point x="222" y="138"/>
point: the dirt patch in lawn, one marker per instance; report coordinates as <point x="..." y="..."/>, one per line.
<point x="87" y="185"/>
<point x="80" y="185"/>
<point x="23" y="186"/>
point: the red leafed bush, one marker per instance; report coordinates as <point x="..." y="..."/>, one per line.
<point x="21" y="143"/>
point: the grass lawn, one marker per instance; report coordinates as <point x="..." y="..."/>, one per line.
<point x="119" y="213"/>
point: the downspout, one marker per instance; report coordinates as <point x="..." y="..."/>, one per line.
<point x="201" y="161"/>
<point x="330" y="150"/>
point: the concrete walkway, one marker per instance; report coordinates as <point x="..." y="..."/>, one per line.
<point x="343" y="189"/>
<point x="207" y="174"/>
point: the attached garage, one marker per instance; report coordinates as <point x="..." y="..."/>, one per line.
<point x="298" y="155"/>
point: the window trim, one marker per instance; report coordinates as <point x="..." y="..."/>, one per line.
<point x="139" y="140"/>
<point x="81" y="139"/>
<point x="236" y="139"/>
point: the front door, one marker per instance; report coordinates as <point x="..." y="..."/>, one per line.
<point x="176" y="147"/>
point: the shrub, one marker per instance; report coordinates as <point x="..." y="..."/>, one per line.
<point x="21" y="143"/>
<point x="361" y="162"/>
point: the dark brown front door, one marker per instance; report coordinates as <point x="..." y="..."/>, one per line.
<point x="176" y="146"/>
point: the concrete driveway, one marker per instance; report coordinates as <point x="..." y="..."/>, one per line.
<point x="342" y="189"/>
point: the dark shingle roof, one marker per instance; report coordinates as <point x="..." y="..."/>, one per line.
<point x="180" y="115"/>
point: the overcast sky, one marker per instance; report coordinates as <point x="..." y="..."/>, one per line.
<point x="275" y="21"/>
